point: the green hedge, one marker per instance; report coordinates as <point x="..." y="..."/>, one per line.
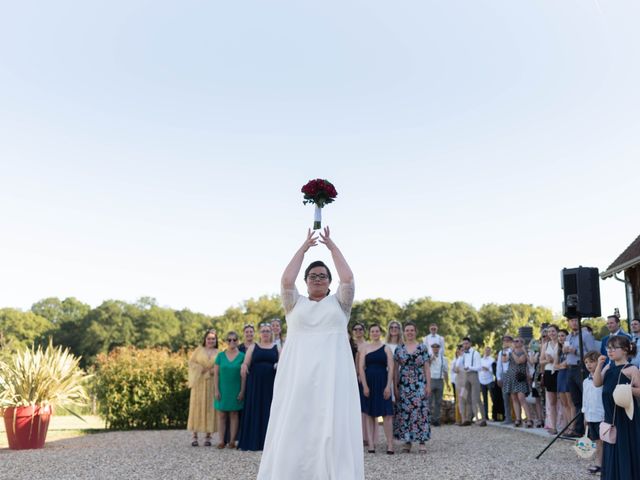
<point x="142" y="389"/>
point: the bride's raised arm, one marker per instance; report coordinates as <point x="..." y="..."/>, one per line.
<point x="293" y="269"/>
<point x="342" y="267"/>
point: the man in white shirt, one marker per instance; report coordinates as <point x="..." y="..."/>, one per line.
<point x="635" y="338"/>
<point x="471" y="362"/>
<point x="502" y="365"/>
<point x="439" y="375"/>
<point x="432" y="338"/>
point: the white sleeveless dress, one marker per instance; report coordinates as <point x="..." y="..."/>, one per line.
<point x="315" y="430"/>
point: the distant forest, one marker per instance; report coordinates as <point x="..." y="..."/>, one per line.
<point x="144" y="324"/>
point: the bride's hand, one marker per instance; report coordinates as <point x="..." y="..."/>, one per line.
<point x="311" y="241"/>
<point x="326" y="239"/>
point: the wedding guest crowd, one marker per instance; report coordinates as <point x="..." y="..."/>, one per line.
<point x="534" y="383"/>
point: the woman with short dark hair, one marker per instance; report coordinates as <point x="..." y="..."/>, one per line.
<point x="360" y="343"/>
<point x="516" y="382"/>
<point x="314" y="430"/>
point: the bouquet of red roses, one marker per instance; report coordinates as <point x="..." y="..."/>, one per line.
<point x="319" y="192"/>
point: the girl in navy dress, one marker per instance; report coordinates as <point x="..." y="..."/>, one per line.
<point x="258" y="372"/>
<point x="620" y="460"/>
<point x="376" y="372"/>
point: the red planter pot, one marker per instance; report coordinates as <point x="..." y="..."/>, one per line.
<point x="27" y="427"/>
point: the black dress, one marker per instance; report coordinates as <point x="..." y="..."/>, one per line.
<point x="620" y="461"/>
<point x="257" y="404"/>
<point x="376" y="373"/>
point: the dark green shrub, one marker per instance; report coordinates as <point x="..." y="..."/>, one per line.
<point x="142" y="389"/>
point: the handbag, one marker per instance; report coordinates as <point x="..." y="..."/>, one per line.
<point x="608" y="432"/>
<point x="585" y="447"/>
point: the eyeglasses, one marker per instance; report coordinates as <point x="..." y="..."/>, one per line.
<point x="265" y="324"/>
<point x="394" y="326"/>
<point x="232" y="339"/>
<point x="317" y="276"/>
<point x="248" y="325"/>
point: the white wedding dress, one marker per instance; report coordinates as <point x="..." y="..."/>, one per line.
<point x="315" y="430"/>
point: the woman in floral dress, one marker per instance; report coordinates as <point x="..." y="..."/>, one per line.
<point x="411" y="422"/>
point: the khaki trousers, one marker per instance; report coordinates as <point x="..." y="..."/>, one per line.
<point x="472" y="387"/>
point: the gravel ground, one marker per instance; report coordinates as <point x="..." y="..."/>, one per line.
<point x="453" y="452"/>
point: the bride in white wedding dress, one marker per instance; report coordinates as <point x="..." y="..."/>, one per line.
<point x="315" y="430"/>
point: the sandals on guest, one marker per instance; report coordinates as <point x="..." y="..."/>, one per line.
<point x="528" y="424"/>
<point x="517" y="423"/>
<point x="390" y="452"/>
<point x="422" y="448"/>
<point x="220" y="446"/>
<point x="195" y="442"/>
<point x="595" y="469"/>
<point x="406" y="448"/>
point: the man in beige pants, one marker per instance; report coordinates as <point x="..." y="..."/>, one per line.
<point x="471" y="363"/>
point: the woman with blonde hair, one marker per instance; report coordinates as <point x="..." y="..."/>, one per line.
<point x="258" y="373"/>
<point x="229" y="394"/>
<point x="394" y="335"/>
<point x="202" y="416"/>
<point x="548" y="359"/>
<point x="560" y="365"/>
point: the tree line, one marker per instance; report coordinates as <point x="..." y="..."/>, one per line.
<point x="90" y="331"/>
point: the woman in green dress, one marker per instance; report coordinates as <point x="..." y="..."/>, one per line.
<point x="228" y="389"/>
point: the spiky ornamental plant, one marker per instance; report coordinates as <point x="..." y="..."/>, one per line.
<point x="37" y="377"/>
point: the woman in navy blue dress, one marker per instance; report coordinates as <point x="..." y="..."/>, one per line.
<point x="620" y="461"/>
<point x="259" y="373"/>
<point x="376" y="372"/>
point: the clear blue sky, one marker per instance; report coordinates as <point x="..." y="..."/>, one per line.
<point x="158" y="148"/>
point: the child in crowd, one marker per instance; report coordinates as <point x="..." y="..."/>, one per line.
<point x="593" y="409"/>
<point x="620" y="460"/>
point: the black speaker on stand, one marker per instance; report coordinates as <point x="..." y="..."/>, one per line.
<point x="581" y="287"/>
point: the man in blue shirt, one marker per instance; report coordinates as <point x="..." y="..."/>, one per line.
<point x="635" y="338"/>
<point x="613" y="325"/>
